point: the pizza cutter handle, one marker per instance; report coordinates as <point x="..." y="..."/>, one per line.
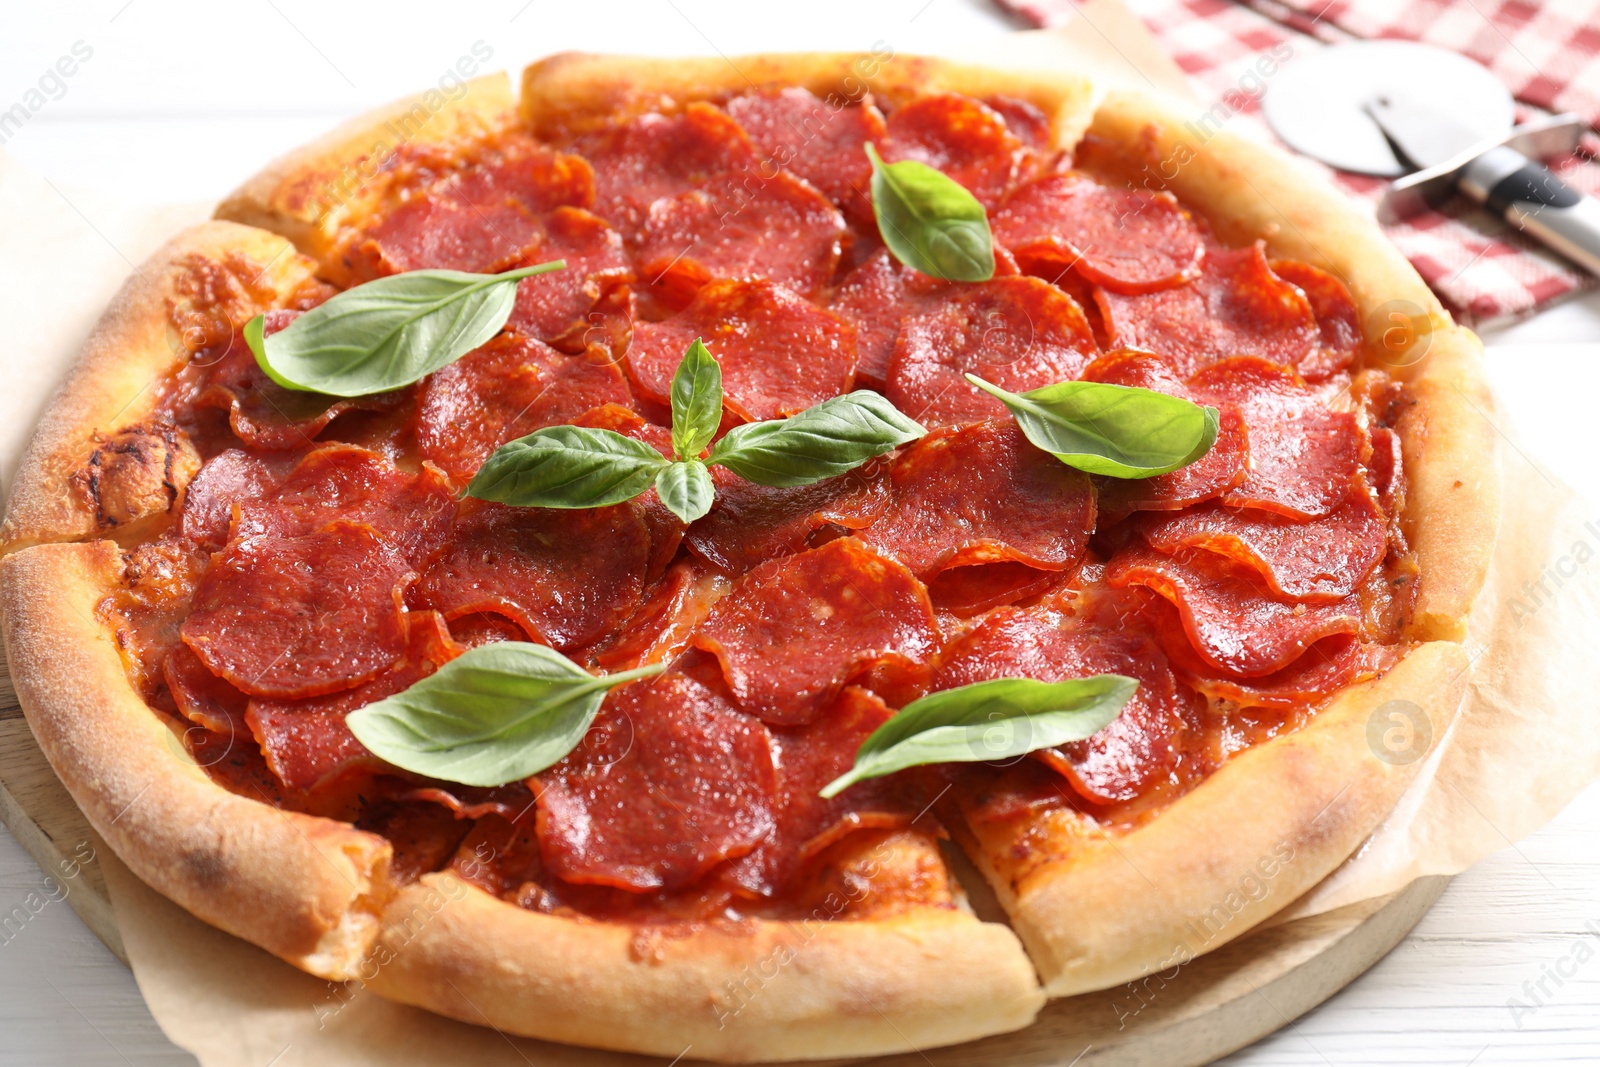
<point x="1537" y="202"/>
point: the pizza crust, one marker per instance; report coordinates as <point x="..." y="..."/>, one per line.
<point x="730" y="992"/>
<point x="111" y="386"/>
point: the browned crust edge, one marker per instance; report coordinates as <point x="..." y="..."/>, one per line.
<point x="309" y="193"/>
<point x="750" y="991"/>
<point x="309" y="890"/>
<point x="574" y="91"/>
<point x="112" y="384"/>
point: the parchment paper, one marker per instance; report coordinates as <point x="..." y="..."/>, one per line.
<point x="1527" y="742"/>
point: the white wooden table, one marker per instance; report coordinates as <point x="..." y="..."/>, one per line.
<point x="181" y="100"/>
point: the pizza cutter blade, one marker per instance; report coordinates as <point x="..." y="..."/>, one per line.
<point x="1318" y="102"/>
<point x="1438" y="123"/>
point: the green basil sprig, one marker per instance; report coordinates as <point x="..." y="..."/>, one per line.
<point x="495" y="714"/>
<point x="820" y="442"/>
<point x="1118" y="430"/>
<point x="685" y="487"/>
<point x="572" y="467"/>
<point x="390" y="332"/>
<point x="986" y="721"/>
<point x="930" y="222"/>
<point x="567" y="467"/>
<point x="696" y="401"/>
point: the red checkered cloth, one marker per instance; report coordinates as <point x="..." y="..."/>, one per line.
<point x="1548" y="54"/>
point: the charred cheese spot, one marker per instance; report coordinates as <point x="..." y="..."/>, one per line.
<point x="137" y="472"/>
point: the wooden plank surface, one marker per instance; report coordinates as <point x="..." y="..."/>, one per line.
<point x="40" y="814"/>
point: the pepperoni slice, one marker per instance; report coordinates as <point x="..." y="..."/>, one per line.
<point x="742" y="226"/>
<point x="300" y="616"/>
<point x="413" y="512"/>
<point x="566" y="577"/>
<point x="808" y="759"/>
<point x="1017" y="333"/>
<point x="1209" y="477"/>
<point x="661" y="628"/>
<point x="483" y="628"/>
<point x="670" y="781"/>
<point x="1237" y="306"/>
<point x="752" y="523"/>
<point x="1339" y="335"/>
<point x="559" y="307"/>
<point x="507" y="389"/>
<point x="666" y="529"/>
<point x="475" y="218"/>
<point x="878" y="295"/>
<point x="1303" y="455"/>
<point x="1228" y="615"/>
<point x="1321" y="560"/>
<point x="202" y="697"/>
<point x="817" y="140"/>
<point x="227" y="478"/>
<point x="779" y="354"/>
<point x="961" y="137"/>
<point x="1138" y="749"/>
<point x="1128" y="240"/>
<point x="795" y="630"/>
<point x="1326" y="667"/>
<point x="306" y="742"/>
<point x="628" y="423"/>
<point x="1030" y="125"/>
<point x="261" y="412"/>
<point x="967" y="503"/>
<point x="656" y="156"/>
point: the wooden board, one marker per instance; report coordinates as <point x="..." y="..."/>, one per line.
<point x="40" y="814"/>
<point x="1184" y="1018"/>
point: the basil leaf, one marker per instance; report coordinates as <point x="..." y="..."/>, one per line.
<point x="1118" y="430"/>
<point x="685" y="488"/>
<point x="567" y="467"/>
<point x="829" y="439"/>
<point x="930" y="222"/>
<point x="494" y="714"/>
<point x="985" y="721"/>
<point x="389" y="332"/>
<point x="696" y="401"/>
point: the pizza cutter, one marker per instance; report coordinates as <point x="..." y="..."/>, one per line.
<point x="1436" y="122"/>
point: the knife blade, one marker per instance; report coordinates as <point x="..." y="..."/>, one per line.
<point x="1521" y="190"/>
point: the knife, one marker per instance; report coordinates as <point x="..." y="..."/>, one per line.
<point x="1493" y="173"/>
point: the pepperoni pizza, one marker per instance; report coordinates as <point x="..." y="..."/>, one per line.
<point x="209" y="572"/>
